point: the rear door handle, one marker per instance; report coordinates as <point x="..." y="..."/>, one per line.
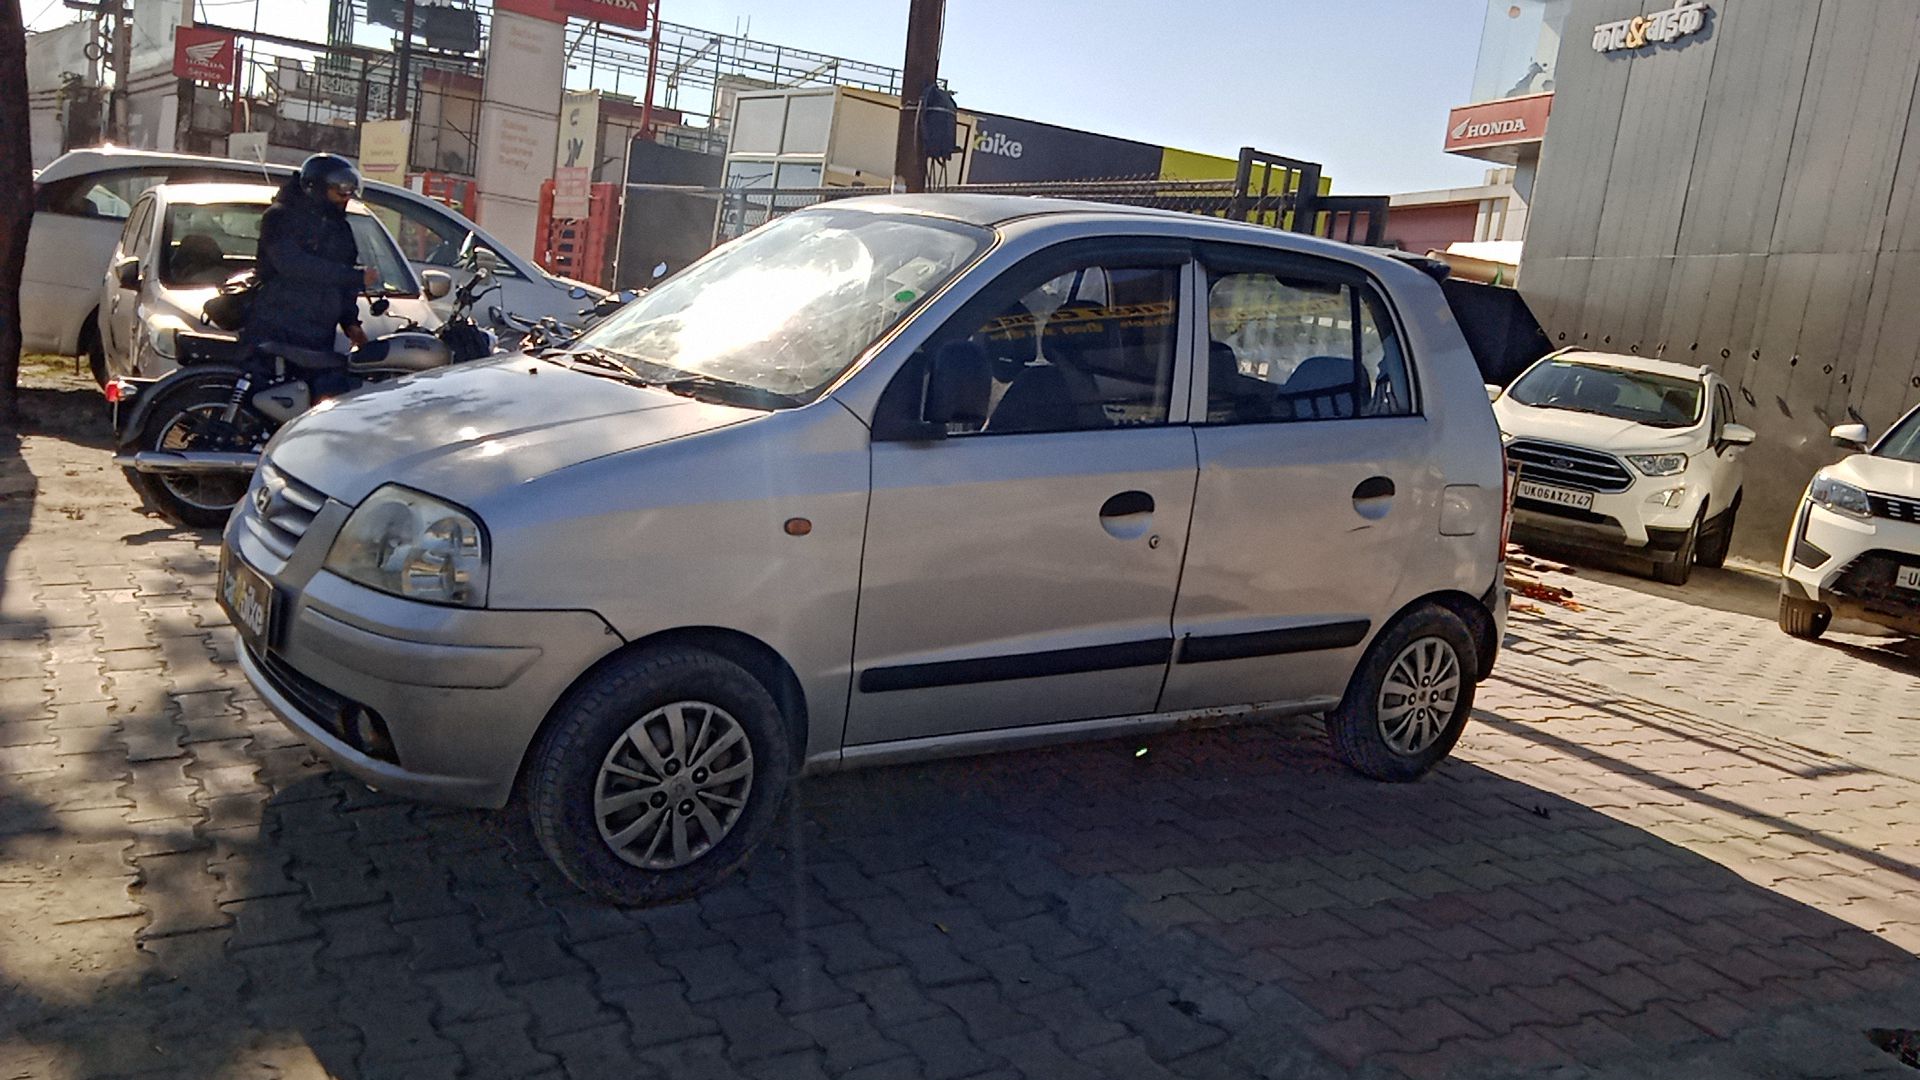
<point x="1126" y="504"/>
<point x="1374" y="487"/>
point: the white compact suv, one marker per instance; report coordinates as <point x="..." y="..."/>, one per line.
<point x="1855" y="546"/>
<point x="1616" y="453"/>
<point x="884" y="479"/>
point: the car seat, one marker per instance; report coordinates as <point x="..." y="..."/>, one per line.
<point x="197" y="260"/>
<point x="1326" y="388"/>
<point x="1056" y="393"/>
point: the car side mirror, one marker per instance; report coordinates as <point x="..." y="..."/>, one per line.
<point x="1737" y="435"/>
<point x="659" y="271"/>
<point x="486" y="260"/>
<point x="959" y="386"/>
<point x="378" y="306"/>
<point x="438" y="283"/>
<point x="1851" y="436"/>
<point x="1493" y="392"/>
<point x="128" y="273"/>
<point x="576" y="293"/>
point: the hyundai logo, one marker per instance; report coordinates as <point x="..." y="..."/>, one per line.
<point x="262" y="498"/>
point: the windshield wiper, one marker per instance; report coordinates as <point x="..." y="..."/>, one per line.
<point x="695" y="385"/>
<point x="604" y="360"/>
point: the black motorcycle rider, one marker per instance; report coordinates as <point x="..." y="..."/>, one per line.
<point x="310" y="280"/>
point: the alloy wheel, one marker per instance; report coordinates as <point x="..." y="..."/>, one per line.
<point x="1419" y="695"/>
<point x="673" y="785"/>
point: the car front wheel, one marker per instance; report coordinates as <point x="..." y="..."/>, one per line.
<point x="658" y="775"/>
<point x="1409" y="699"/>
<point x="1804" y="619"/>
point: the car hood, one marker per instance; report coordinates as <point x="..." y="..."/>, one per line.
<point x="1887" y="476"/>
<point x="1588" y="430"/>
<point x="469" y="431"/>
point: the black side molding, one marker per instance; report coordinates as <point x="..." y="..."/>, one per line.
<point x="1129" y="654"/>
<point x="1293" y="639"/>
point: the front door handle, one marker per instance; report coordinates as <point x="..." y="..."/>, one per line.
<point x="1126" y="504"/>
<point x="1374" y="487"/>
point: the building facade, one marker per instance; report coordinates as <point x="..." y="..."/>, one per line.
<point x="1740" y="187"/>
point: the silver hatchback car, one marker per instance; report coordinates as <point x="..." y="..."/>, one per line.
<point x="887" y="479"/>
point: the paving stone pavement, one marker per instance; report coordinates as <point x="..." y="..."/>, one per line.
<point x="1674" y="843"/>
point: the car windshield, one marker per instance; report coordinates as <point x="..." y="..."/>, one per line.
<point x="207" y="243"/>
<point x="1662" y="401"/>
<point x="1903" y="442"/>
<point x="785" y="309"/>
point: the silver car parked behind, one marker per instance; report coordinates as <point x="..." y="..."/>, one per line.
<point x="887" y="479"/>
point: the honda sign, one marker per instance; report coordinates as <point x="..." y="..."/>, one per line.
<point x="203" y="55"/>
<point x="1498" y="123"/>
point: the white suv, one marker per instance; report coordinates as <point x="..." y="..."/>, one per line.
<point x="1855" y="545"/>
<point x="1617" y="453"/>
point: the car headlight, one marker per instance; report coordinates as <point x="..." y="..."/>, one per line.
<point x="161" y="339"/>
<point x="1840" y="497"/>
<point x="1659" y="464"/>
<point x="413" y="545"/>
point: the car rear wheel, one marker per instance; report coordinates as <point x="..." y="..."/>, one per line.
<point x="1805" y="619"/>
<point x="658" y="775"/>
<point x="1409" y="699"/>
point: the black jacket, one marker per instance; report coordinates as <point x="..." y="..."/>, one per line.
<point x="309" y="280"/>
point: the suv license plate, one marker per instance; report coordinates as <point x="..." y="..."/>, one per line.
<point x="1908" y="577"/>
<point x="1558" y="496"/>
<point x="248" y="597"/>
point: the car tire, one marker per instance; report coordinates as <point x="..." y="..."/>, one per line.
<point x="1387" y="735"/>
<point x="588" y="764"/>
<point x="1804" y="619"/>
<point x="96" y="352"/>
<point x="1714" y="546"/>
<point x="1680" y="569"/>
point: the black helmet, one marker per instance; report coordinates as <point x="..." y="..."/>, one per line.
<point x="323" y="171"/>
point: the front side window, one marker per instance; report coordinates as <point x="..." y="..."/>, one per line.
<point x="137" y="237"/>
<point x="1643" y="397"/>
<point x="1286" y="346"/>
<point x="1083" y="350"/>
<point x="774" y="317"/>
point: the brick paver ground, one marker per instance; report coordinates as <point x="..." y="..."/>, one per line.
<point x="1675" y="843"/>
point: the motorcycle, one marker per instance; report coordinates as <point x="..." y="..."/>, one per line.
<point x="539" y="335"/>
<point x="192" y="438"/>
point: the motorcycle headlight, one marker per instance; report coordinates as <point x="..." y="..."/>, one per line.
<point x="413" y="545"/>
<point x="1839" y="496"/>
<point x="1659" y="464"/>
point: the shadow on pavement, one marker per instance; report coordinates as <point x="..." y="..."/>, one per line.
<point x="1229" y="903"/>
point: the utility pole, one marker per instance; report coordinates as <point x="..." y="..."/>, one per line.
<point x="184" y="95"/>
<point x="405" y="94"/>
<point x="117" y="119"/>
<point x="920" y="71"/>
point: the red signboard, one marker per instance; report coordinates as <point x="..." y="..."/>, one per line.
<point x="1498" y="123"/>
<point x="631" y="14"/>
<point x="203" y="55"/>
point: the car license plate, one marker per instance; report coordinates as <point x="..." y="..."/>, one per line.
<point x="248" y="597"/>
<point x="1558" y="496"/>
<point x="1908" y="577"/>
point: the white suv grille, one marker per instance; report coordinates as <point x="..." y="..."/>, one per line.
<point x="1568" y="466"/>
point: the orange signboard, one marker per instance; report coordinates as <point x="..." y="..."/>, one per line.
<point x="1498" y="123"/>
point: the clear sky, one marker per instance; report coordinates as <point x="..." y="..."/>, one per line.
<point x="1362" y="86"/>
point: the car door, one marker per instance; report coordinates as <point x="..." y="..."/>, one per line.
<point x="120" y="311"/>
<point x="1318" y="482"/>
<point x="1023" y="570"/>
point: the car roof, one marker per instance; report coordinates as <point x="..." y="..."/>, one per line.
<point x="202" y="192"/>
<point x="1633" y="363"/>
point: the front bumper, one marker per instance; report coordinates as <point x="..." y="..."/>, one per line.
<point x="458" y="693"/>
<point x="1853" y="566"/>
<point x="1618" y="521"/>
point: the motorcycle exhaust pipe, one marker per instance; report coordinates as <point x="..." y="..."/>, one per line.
<point x="188" y="461"/>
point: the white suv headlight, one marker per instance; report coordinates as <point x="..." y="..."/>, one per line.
<point x="1839" y="496"/>
<point x="1659" y="464"/>
<point x="413" y="545"/>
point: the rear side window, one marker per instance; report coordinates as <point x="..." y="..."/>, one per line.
<point x="111" y="195"/>
<point x="1293" y="344"/>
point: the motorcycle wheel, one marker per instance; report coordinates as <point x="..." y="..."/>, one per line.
<point x="187" y="417"/>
